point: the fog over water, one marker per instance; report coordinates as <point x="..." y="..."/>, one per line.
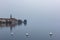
<point x="43" y="16"/>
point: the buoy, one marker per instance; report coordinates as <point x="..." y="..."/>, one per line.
<point x="50" y="33"/>
<point x="12" y="33"/>
<point x="27" y="34"/>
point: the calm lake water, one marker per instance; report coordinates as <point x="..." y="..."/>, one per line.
<point x="37" y="30"/>
<point x="43" y="17"/>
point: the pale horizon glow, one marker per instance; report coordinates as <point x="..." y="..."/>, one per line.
<point x="30" y="8"/>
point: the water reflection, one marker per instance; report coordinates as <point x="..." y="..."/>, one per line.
<point x="25" y="22"/>
<point x="11" y="26"/>
<point x="50" y="37"/>
<point x="7" y="25"/>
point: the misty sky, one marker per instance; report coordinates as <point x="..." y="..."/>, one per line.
<point x="30" y="8"/>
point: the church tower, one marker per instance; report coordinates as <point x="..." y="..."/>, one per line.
<point x="10" y="15"/>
